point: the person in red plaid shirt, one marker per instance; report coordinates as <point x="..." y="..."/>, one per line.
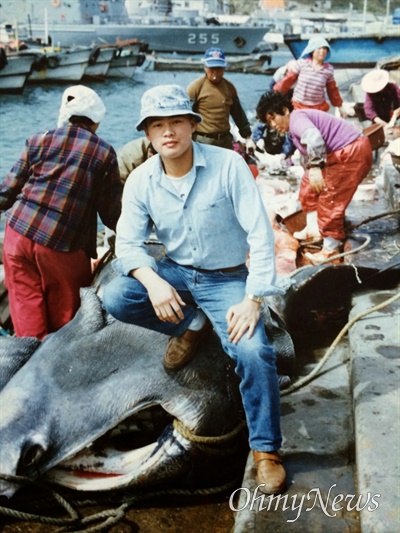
<point x="64" y="178"/>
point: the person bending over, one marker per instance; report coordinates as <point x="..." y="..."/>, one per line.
<point x="336" y="156"/>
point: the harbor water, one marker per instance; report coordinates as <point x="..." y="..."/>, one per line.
<point x="36" y="110"/>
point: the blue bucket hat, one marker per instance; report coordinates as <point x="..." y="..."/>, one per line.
<point x="214" y="57"/>
<point x="165" y="101"/>
<point x="314" y="43"/>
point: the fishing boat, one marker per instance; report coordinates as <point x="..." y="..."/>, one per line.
<point x="48" y="63"/>
<point x="127" y="57"/>
<point x="118" y="60"/>
<point x="253" y="63"/>
<point x="354" y="50"/>
<point x="65" y="65"/>
<point x="99" y="63"/>
<point x="78" y="22"/>
<point x="14" y="71"/>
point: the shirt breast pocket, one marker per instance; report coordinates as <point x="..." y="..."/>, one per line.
<point x="215" y="218"/>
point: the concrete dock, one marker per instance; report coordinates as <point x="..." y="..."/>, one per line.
<point x="342" y="429"/>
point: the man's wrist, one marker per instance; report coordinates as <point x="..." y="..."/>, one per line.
<point x="255" y="298"/>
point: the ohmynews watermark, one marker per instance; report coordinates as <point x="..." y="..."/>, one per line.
<point x="329" y="506"/>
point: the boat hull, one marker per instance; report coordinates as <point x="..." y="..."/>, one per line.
<point x="14" y="74"/>
<point x="126" y="59"/>
<point x="65" y="66"/>
<point x="160" y="38"/>
<point x="362" y="51"/>
<point x="248" y="63"/>
<point x="99" y="63"/>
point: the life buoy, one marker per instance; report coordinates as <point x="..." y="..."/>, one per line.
<point x="56" y="3"/>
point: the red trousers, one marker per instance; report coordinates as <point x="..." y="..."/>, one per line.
<point x="324" y="106"/>
<point x="43" y="284"/>
<point x="344" y="171"/>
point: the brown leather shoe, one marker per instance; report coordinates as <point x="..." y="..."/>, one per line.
<point x="271" y="475"/>
<point x="180" y="350"/>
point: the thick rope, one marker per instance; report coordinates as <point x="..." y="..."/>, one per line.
<point x="13" y="513"/>
<point x="306" y="379"/>
<point x="206" y="444"/>
<point x="192" y="437"/>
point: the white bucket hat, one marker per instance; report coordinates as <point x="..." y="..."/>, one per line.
<point x="165" y="101"/>
<point x="82" y="102"/>
<point x="375" y="81"/>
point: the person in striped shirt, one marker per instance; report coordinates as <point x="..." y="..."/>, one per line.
<point x="313" y="78"/>
<point x="63" y="179"/>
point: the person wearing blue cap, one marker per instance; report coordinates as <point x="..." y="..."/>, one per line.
<point x="216" y="99"/>
<point x="206" y="209"/>
<point x="311" y="77"/>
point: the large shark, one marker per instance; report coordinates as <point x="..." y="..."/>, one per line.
<point x="94" y="409"/>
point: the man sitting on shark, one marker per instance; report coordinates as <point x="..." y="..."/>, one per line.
<point x="206" y="209"/>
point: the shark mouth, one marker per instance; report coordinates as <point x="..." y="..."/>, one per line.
<point x="131" y="455"/>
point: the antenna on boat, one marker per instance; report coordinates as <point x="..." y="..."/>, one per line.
<point x="16" y="35"/>
<point x="46" y="27"/>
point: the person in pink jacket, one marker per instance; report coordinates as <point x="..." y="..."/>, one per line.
<point x="336" y="156"/>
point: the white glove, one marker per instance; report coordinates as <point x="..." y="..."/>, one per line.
<point x="261" y="144"/>
<point x="250" y="146"/>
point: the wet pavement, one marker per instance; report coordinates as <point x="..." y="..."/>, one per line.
<point x="342" y="429"/>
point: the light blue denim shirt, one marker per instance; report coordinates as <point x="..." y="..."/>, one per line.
<point x="221" y="219"/>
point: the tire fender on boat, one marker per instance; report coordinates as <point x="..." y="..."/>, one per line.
<point x="53" y="61"/>
<point x="40" y="63"/>
<point x="140" y="60"/>
<point x="94" y="56"/>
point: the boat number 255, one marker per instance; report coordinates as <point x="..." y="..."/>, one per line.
<point x="203" y="38"/>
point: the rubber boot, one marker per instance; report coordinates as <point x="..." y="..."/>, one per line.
<point x="311" y="230"/>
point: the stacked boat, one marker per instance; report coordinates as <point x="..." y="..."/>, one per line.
<point x="14" y="71"/>
<point x="22" y="63"/>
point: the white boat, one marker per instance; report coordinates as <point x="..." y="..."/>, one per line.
<point x="250" y="63"/>
<point x="99" y="63"/>
<point x="14" y="71"/>
<point x="361" y="50"/>
<point x="128" y="55"/>
<point x="61" y="65"/>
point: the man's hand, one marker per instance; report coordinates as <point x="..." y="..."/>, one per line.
<point x="316" y="180"/>
<point x="241" y="318"/>
<point x="164" y="298"/>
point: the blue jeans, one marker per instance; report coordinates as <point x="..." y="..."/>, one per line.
<point x="126" y="299"/>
